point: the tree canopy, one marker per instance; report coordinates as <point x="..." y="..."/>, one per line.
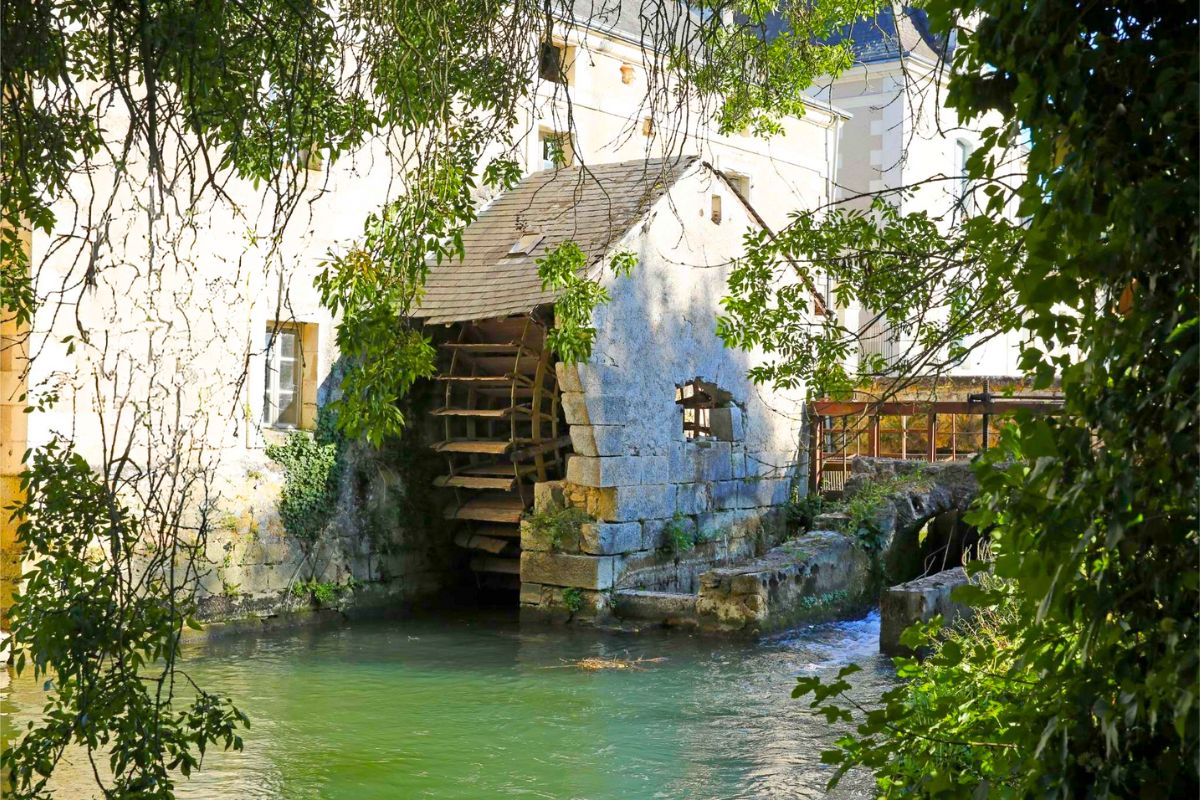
<point x="1084" y="680"/>
<point x="1089" y="683"/>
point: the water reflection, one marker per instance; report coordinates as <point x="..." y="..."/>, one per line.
<point x="472" y="706"/>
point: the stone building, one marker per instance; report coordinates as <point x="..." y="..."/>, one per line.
<point x="226" y="341"/>
<point x="664" y="438"/>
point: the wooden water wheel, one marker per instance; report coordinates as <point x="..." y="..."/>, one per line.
<point x="503" y="432"/>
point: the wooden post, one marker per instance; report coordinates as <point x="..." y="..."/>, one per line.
<point x="932" y="437"/>
<point x="874" y="437"/>
<point x="814" y="454"/>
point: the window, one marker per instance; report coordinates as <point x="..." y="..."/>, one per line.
<point x="289" y="375"/>
<point x="716" y="209"/>
<point x="740" y="182"/>
<point x="552" y="63"/>
<point x="556" y="149"/>
<point x="708" y="411"/>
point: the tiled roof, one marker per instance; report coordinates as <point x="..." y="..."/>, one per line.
<point x="593" y="206"/>
<point x="892" y="32"/>
<point x="632" y="19"/>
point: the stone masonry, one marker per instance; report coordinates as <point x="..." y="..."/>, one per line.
<point x="633" y="469"/>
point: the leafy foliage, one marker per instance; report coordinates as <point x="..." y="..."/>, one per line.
<point x="325" y="593"/>
<point x="950" y="729"/>
<point x="559" y="525"/>
<point x="106" y="647"/>
<point x="681" y="536"/>
<point x="572" y="599"/>
<point x="723" y="51"/>
<point x="573" y="335"/>
<point x="934" y="289"/>
<point x="863" y="506"/>
<point x="311" y="470"/>
<point x="802" y="512"/>
<point x="1089" y="684"/>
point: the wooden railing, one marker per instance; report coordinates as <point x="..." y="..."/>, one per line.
<point x="916" y="431"/>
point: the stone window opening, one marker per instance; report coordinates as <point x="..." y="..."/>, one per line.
<point x="707" y="411"/>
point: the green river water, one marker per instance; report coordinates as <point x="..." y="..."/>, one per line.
<point x="473" y="705"/>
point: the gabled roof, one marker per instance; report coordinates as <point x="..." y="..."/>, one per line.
<point x="593" y="206"/>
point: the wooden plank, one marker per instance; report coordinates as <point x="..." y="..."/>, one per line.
<point x="475" y="541"/>
<point x="484" y="446"/>
<point x="483" y="413"/>
<point x="483" y="347"/>
<point x="473" y="482"/>
<point x="507" y="566"/>
<point x="489" y="509"/>
<point x="484" y="379"/>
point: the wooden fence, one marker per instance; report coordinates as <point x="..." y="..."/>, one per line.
<point x="915" y="431"/>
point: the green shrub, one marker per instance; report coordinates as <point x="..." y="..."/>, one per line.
<point x="802" y="512"/>
<point x="681" y="537"/>
<point x="325" y="593"/>
<point x="863" y="507"/>
<point x="572" y="599"/>
<point x="921" y="743"/>
<point x="559" y="525"/>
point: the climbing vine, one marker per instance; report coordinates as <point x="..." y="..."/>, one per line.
<point x="311" y="470"/>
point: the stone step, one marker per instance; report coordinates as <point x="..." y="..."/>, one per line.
<point x="919" y="601"/>
<point x="831" y="521"/>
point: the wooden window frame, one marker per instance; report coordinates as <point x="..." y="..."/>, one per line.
<point x="272" y="360"/>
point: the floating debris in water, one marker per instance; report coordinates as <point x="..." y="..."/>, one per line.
<point x="594" y="663"/>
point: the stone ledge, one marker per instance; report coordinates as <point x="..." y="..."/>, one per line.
<point x="560" y="569"/>
<point x="815" y="576"/>
<point x="667" y="608"/>
<point x="919" y="601"/>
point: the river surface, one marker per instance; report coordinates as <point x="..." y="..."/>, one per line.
<point x="472" y="705"/>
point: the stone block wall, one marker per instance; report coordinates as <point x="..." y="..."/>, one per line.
<point x="382" y="546"/>
<point x="618" y="549"/>
<point x="633" y="469"/>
